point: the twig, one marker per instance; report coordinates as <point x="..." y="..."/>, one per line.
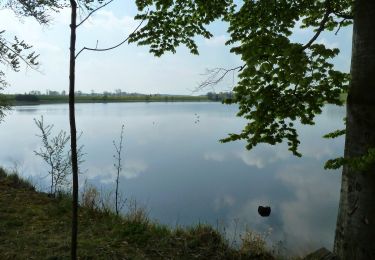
<point x="218" y="74"/>
<point x="340" y="25"/>
<point x="93" y="11"/>
<point x="113" y="47"/>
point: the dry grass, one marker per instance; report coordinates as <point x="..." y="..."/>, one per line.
<point x="36" y="226"/>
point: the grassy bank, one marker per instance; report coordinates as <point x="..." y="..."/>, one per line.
<point x="48" y="99"/>
<point x="36" y="226"/>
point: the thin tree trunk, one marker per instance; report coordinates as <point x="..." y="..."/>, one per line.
<point x="355" y="231"/>
<point x="117" y="179"/>
<point x="73" y="131"/>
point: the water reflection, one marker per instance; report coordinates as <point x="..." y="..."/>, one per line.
<point x="177" y="168"/>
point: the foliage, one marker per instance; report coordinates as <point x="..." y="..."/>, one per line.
<point x="56" y="154"/>
<point x="38" y="9"/>
<point x="335" y="134"/>
<point x="4" y="103"/>
<point x="280" y="81"/>
<point x="360" y="163"/>
<point x="15" y="52"/>
<point x="172" y="23"/>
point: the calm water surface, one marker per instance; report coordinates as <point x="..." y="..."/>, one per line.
<point x="175" y="166"/>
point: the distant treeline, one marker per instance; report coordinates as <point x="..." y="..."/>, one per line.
<point x="20" y="99"/>
<point x="26" y="98"/>
<point x="219" y="96"/>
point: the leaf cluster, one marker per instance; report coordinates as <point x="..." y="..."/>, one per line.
<point x="281" y="82"/>
<point x="13" y="53"/>
<point x="39" y="9"/>
<point x="360" y="163"/>
<point x="173" y="23"/>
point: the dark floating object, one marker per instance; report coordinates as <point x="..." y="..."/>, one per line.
<point x="264" y="211"/>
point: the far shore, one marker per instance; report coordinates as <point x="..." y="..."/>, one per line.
<point x="20" y="100"/>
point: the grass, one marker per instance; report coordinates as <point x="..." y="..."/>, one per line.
<point x="34" y="225"/>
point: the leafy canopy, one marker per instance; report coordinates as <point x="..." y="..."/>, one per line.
<point x="280" y="82"/>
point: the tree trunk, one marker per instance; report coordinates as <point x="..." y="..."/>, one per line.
<point x="73" y="131"/>
<point x="355" y="231"/>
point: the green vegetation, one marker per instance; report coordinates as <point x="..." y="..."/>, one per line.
<point x="51" y="99"/>
<point x="34" y="225"/>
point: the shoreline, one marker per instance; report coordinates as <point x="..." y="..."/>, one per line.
<point x="25" y="100"/>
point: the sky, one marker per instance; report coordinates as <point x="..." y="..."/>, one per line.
<point x="130" y="68"/>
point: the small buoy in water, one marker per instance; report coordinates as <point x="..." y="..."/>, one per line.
<point x="264" y="211"/>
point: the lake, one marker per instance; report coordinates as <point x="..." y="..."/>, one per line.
<point x="175" y="166"/>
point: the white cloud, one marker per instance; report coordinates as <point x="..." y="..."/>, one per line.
<point x="134" y="168"/>
<point x="314" y="204"/>
<point x="216" y="41"/>
<point x="224" y="201"/>
<point x="263" y="155"/>
<point x="214" y="156"/>
<point x="327" y="43"/>
<point x="106" y="20"/>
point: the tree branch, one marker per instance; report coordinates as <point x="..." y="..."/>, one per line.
<point x="93" y="11"/>
<point x="340" y="25"/>
<point x="32" y="66"/>
<point x="319" y="31"/>
<point x="113" y="47"/>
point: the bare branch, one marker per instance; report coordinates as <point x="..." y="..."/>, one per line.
<point x="216" y="75"/>
<point x="93" y="11"/>
<point x="113" y="47"/>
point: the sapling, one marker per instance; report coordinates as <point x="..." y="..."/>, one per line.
<point x="54" y="153"/>
<point x="118" y="166"/>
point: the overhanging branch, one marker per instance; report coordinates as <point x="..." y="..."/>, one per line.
<point x="30" y="65"/>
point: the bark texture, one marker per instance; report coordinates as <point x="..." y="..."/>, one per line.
<point x="355" y="231"/>
<point x="73" y="131"/>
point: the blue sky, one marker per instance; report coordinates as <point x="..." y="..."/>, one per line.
<point x="129" y="68"/>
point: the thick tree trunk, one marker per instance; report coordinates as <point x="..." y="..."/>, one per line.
<point x="355" y="231"/>
<point x="73" y="131"/>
